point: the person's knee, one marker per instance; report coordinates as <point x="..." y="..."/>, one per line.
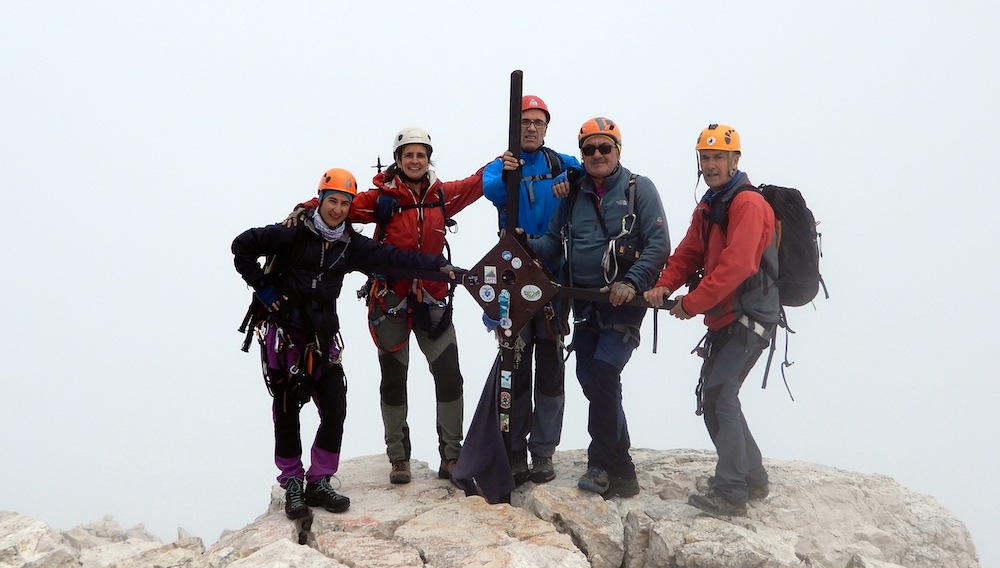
<point x="549" y="375"/>
<point x="598" y="378"/>
<point x="393" y="388"/>
<point x="447" y="376"/>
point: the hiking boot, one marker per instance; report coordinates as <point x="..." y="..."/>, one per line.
<point x="400" y="472"/>
<point x="444" y="472"/>
<point x="715" y="504"/>
<point x="621" y="487"/>
<point x="755" y="492"/>
<point x="320" y="494"/>
<point x="519" y="467"/>
<point x="758" y="492"/>
<point x="541" y="469"/>
<point x="295" y="504"/>
<point x="595" y="480"/>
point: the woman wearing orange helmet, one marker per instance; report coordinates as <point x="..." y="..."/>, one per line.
<point x="299" y="329"/>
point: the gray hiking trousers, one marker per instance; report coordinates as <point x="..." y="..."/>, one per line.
<point x="442" y="358"/>
<point x="732" y="353"/>
<point x="539" y="398"/>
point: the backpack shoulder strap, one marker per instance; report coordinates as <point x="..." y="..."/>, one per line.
<point x="554" y="161"/>
<point x="630" y="196"/>
<point x="279" y="265"/>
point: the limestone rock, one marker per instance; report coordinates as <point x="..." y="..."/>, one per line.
<point x="815" y="516"/>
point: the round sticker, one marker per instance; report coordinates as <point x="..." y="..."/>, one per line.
<point x="505" y="400"/>
<point x="506" y="323"/>
<point x="515" y="262"/>
<point x="531" y="293"/>
<point x="506" y="255"/>
<point x="487" y="293"/>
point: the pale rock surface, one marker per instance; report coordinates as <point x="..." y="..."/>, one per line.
<point x="816" y="516"/>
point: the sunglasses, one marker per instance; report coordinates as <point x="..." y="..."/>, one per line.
<point x="589" y="149"/>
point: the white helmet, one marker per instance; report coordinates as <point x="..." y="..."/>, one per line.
<point x="412" y="135"/>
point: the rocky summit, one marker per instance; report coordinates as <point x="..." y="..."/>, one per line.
<point x="815" y="516"/>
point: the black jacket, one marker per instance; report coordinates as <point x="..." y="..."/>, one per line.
<point x="314" y="270"/>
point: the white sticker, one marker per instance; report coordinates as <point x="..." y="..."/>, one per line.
<point x="490" y="274"/>
<point x="487" y="293"/>
<point x="531" y="293"/>
<point x="515" y="262"/>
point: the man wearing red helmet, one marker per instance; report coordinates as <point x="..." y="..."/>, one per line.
<point x="722" y="259"/>
<point x="543" y="336"/>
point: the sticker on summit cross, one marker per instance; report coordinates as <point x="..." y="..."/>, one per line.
<point x="487" y="293"/>
<point x="531" y="293"/>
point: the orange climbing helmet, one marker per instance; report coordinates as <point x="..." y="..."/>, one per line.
<point x="718" y="137"/>
<point x="600" y="125"/>
<point x="529" y="102"/>
<point x="338" y="179"/>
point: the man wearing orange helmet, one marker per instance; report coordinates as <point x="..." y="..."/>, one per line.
<point x="722" y="259"/>
<point x="606" y="208"/>
<point x="543" y="336"/>
<point x="301" y="346"/>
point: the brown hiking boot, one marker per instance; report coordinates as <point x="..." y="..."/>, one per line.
<point x="755" y="492"/>
<point x="444" y="472"/>
<point x="758" y="492"/>
<point x="400" y="472"/>
<point x="714" y="504"/>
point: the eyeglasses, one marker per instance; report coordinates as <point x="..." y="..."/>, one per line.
<point x="537" y="123"/>
<point x="589" y="149"/>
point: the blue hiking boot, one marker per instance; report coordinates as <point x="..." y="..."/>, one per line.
<point x="595" y="480"/>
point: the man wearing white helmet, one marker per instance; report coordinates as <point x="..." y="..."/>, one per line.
<point x="543" y="336"/>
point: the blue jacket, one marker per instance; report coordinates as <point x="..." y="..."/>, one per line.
<point x="536" y="203"/>
<point x="587" y="241"/>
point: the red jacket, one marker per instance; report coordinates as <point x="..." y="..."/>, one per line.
<point x="730" y="259"/>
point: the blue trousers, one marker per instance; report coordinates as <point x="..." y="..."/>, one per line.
<point x="603" y="345"/>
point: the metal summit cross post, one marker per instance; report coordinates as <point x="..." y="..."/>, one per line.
<point x="508" y="283"/>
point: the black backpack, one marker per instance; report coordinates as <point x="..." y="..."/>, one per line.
<point x="798" y="244"/>
<point x="799" y="249"/>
